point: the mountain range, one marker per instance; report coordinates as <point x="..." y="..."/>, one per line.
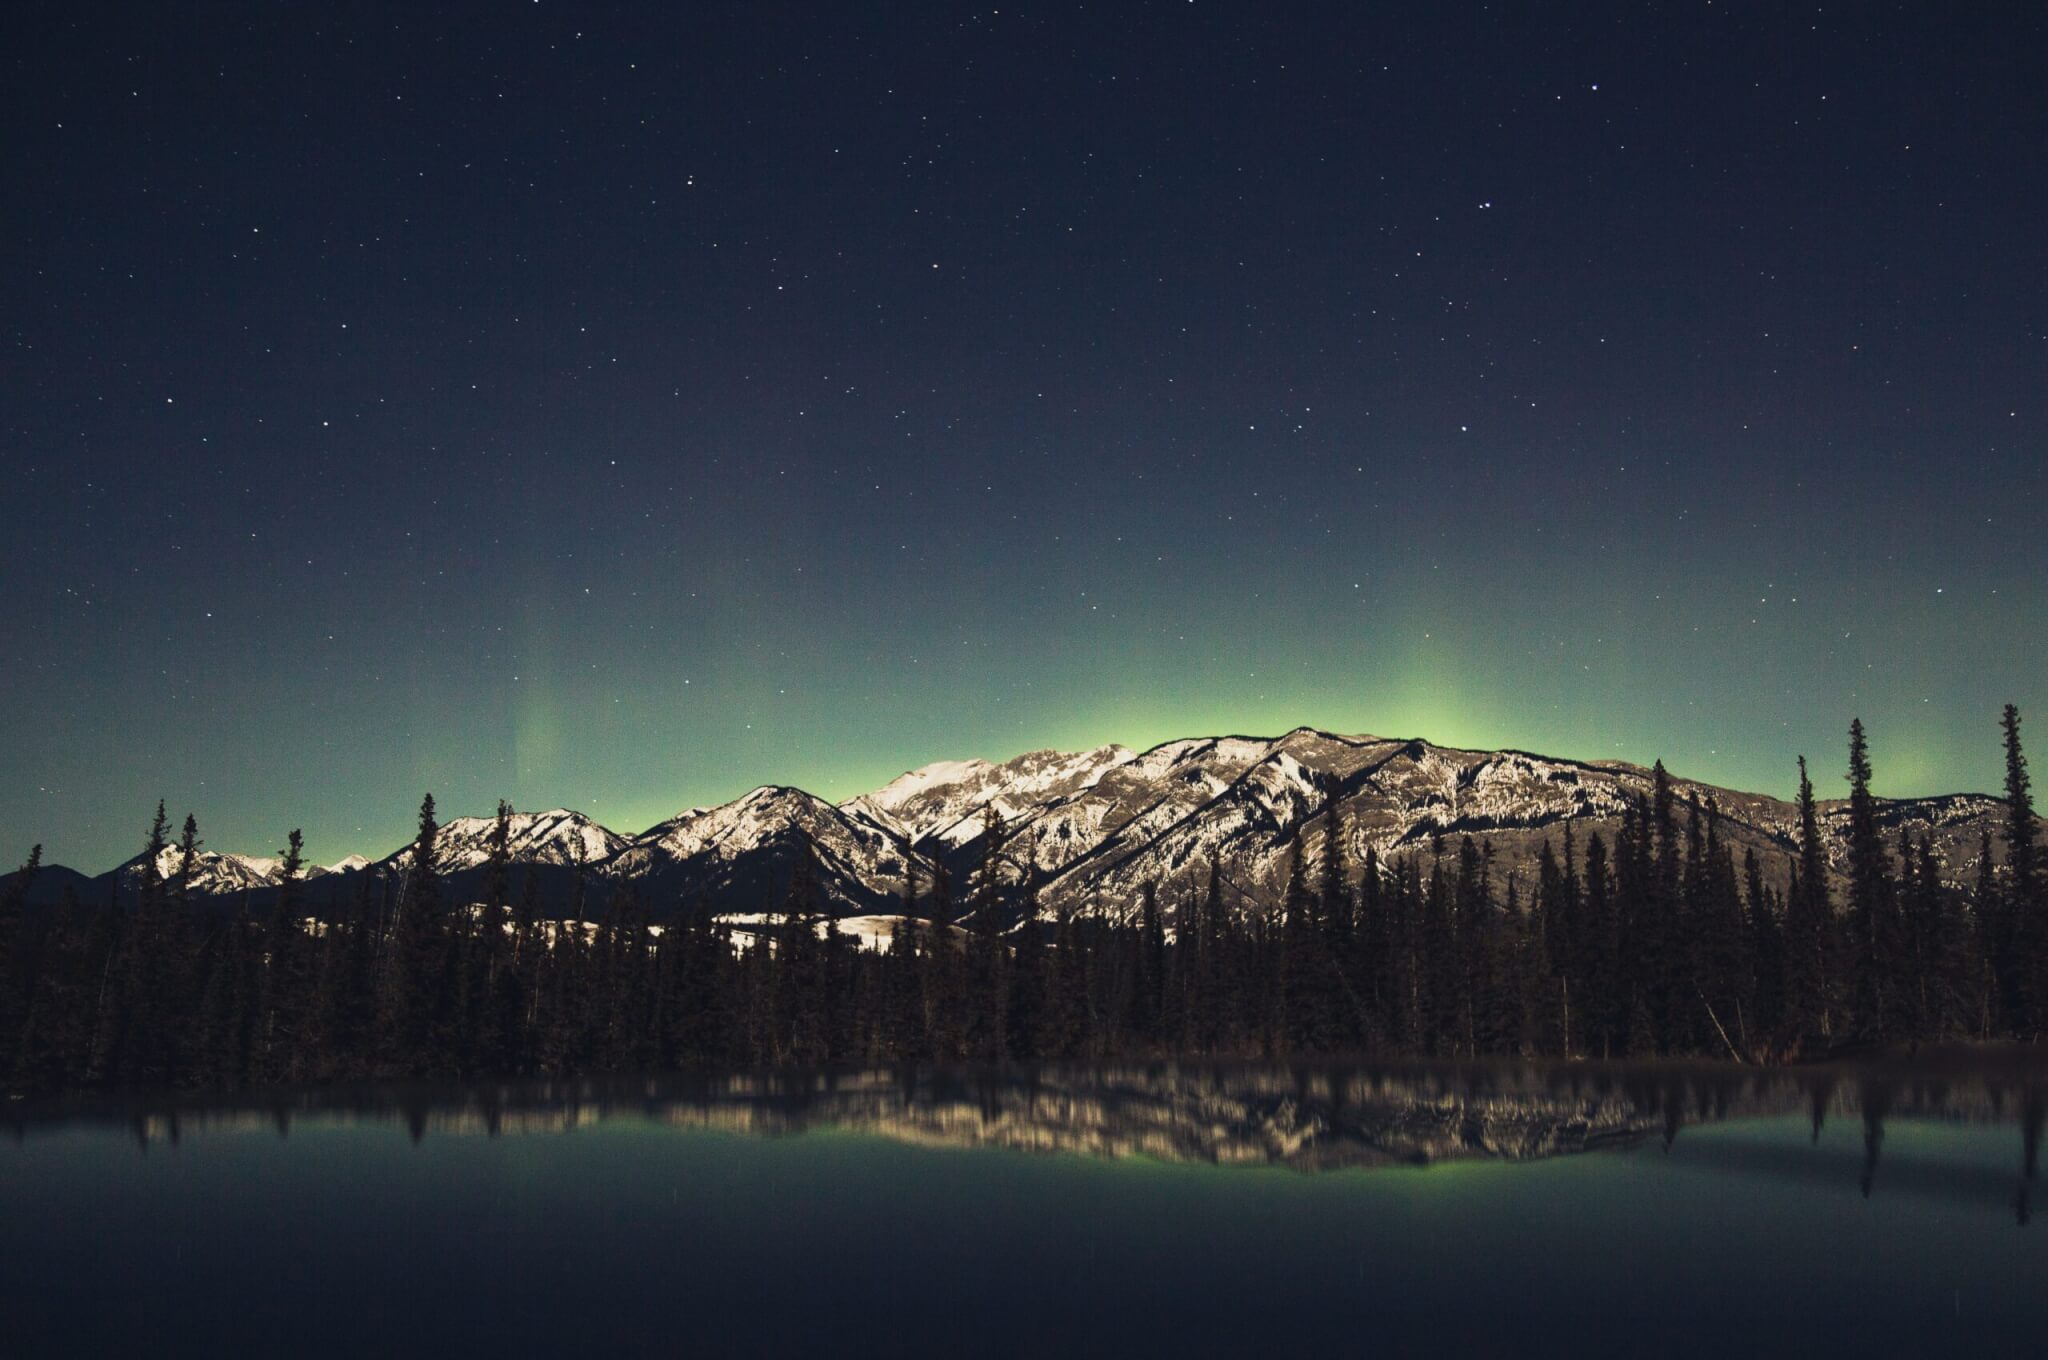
<point x="1090" y="828"/>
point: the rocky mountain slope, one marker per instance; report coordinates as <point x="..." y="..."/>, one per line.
<point x="738" y="857"/>
<point x="557" y="837"/>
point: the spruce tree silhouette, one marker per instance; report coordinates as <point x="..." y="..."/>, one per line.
<point x="2025" y="944"/>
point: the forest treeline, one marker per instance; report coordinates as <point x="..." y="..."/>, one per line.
<point x="1654" y="943"/>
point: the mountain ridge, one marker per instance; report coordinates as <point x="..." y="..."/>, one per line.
<point x="1090" y="829"/>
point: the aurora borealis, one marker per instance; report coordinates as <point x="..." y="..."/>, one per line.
<point x="618" y="407"/>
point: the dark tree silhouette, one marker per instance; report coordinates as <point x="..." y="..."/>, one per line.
<point x="1872" y="905"/>
<point x="1654" y="942"/>
<point x="410" y="964"/>
<point x="2023" y="947"/>
<point x="1809" y="930"/>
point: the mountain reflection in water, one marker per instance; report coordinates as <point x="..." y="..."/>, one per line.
<point x="1308" y="1118"/>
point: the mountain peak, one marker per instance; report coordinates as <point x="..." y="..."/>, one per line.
<point x="948" y="799"/>
<point x="552" y="837"/>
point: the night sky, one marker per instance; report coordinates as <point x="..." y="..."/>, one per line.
<point x="620" y="407"/>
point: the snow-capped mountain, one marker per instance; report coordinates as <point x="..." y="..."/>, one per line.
<point x="743" y="852"/>
<point x="1093" y="828"/>
<point x="555" y="837"/>
<point x="1246" y="804"/>
<point x="946" y="801"/>
<point x="214" y="874"/>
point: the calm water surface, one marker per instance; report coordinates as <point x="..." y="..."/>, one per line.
<point x="1131" y="1210"/>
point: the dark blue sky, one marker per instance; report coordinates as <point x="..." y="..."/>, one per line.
<point x="621" y="406"/>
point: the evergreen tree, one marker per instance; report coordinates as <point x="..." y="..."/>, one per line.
<point x="1662" y="928"/>
<point x="1725" y="960"/>
<point x="986" y="970"/>
<point x="904" y="1031"/>
<point x="1809" y="917"/>
<point x="16" y="985"/>
<point x="1872" y="905"/>
<point x="1150" y="981"/>
<point x="1339" y="1006"/>
<point x="1916" y="971"/>
<point x="1216" y="996"/>
<point x="944" y="985"/>
<point x="410" y="969"/>
<point x="1443" y="978"/>
<point x="1987" y="923"/>
<point x="188" y="861"/>
<point x="1027" y="998"/>
<point x="1292" y="1004"/>
<point x="491" y="1000"/>
<point x="1066" y="992"/>
<point x="130" y="1033"/>
<point x="1554" y="929"/>
<point x="1637" y="1034"/>
<point x="1472" y="929"/>
<point x="282" y="984"/>
<point x="2024" y="949"/>
<point x="1604" y="987"/>
<point x="225" y="1006"/>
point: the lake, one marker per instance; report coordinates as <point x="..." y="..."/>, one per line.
<point x="1138" y="1209"/>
